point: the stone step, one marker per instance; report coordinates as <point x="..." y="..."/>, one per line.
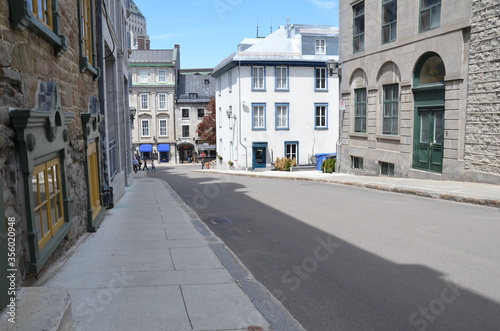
<point x="40" y="308"/>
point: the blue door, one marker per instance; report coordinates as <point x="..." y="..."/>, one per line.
<point x="259" y="151"/>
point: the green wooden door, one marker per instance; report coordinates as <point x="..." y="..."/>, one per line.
<point x="429" y="139"/>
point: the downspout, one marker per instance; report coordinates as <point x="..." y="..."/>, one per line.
<point x="239" y="116"/>
<point x="102" y="101"/>
<point x="341" y="124"/>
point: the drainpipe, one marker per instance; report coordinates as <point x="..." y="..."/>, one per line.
<point x="102" y="101"/>
<point x="239" y="116"/>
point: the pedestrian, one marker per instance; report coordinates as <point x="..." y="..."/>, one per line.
<point x="145" y="166"/>
<point x="140" y="163"/>
<point x="135" y="163"/>
<point x="189" y="158"/>
<point x="153" y="168"/>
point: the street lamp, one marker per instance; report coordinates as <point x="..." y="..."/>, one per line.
<point x="229" y="112"/>
<point x="132" y="111"/>
<point x="332" y="66"/>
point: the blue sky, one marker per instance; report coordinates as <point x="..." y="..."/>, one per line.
<point x="208" y="31"/>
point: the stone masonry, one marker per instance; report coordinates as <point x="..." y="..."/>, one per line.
<point x="26" y="60"/>
<point x="482" y="140"/>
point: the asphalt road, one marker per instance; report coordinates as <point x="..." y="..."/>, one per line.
<point x="347" y="258"/>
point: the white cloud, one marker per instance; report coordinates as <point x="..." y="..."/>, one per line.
<point x="324" y="4"/>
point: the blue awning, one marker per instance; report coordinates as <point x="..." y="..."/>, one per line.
<point x="163" y="147"/>
<point x="146" y="148"/>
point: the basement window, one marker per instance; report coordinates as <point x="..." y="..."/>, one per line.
<point x="386" y="169"/>
<point x="356" y="163"/>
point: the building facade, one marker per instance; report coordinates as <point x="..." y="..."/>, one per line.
<point x="195" y="87"/>
<point x="275" y="97"/>
<point x="482" y="122"/>
<point x="153" y="86"/>
<point x="405" y="78"/>
<point x="57" y="166"/>
<point x="137" y="28"/>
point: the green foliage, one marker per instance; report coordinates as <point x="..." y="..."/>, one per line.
<point x="284" y="163"/>
<point x="328" y="165"/>
<point x="230" y="163"/>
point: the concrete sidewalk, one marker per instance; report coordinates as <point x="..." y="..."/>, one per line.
<point x="154" y="265"/>
<point x="475" y="193"/>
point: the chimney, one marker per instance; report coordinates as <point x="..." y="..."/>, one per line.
<point x="288" y="28"/>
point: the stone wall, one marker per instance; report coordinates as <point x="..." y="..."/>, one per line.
<point x="26" y="60"/>
<point x="482" y="141"/>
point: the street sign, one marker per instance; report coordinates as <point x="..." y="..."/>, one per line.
<point x="203" y="154"/>
<point x="342" y="105"/>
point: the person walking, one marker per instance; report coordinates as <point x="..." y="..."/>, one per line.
<point x="145" y="166"/>
<point x="153" y="168"/>
<point x="136" y="165"/>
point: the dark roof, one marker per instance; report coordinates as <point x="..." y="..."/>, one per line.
<point x="134" y="9"/>
<point x="201" y="84"/>
<point x="153" y="56"/>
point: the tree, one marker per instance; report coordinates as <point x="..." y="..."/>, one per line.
<point x="207" y="128"/>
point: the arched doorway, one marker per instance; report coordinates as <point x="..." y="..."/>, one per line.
<point x="429" y="93"/>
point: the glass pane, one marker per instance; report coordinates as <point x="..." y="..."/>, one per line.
<point x="435" y="16"/>
<point x="44" y="220"/>
<point x="38" y="225"/>
<point x="424" y="128"/>
<point x="34" y="185"/>
<point x="425" y="20"/>
<point x="54" y="211"/>
<point x="438" y="128"/>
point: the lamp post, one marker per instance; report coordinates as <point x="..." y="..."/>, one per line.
<point x="132" y="111"/>
<point x="332" y="66"/>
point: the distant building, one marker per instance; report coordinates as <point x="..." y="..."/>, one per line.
<point x="137" y="28"/>
<point x="418" y="83"/>
<point x="276" y="97"/>
<point x="195" y="87"/>
<point x="153" y="86"/>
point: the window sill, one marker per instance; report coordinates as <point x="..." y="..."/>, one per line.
<point x="358" y="135"/>
<point x="395" y="138"/>
<point x="321" y="128"/>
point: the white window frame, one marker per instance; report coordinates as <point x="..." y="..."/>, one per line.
<point x="320" y="46"/>
<point x="145" y="132"/>
<point x="164" y="128"/>
<point x="258" y="78"/>
<point x="282" y="117"/>
<point x="144" y="101"/>
<point x="143" y="76"/>
<point x="162" y="78"/>
<point x="259" y="116"/>
<point x="281" y="78"/>
<point x="162" y="104"/>
<point x="322" y="116"/>
<point x="320" y="81"/>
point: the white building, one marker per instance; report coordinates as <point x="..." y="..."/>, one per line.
<point x="275" y="97"/>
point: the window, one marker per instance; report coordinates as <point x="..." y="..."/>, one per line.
<point x="258" y="78"/>
<point x="230" y="81"/>
<point x="219" y="85"/>
<point x="193" y="95"/>
<point x="320" y="116"/>
<point x="207" y="81"/>
<point x="390" y="109"/>
<point x="282" y="116"/>
<point x="162" y="101"/>
<point x="359" y="27"/>
<point x="386" y="169"/>
<point x="41" y="17"/>
<point x="185" y="131"/>
<point x="220" y="117"/>
<point x="185" y="113"/>
<point x="356" y="162"/>
<point x="201" y="112"/>
<point x="48" y="200"/>
<point x="163" y="128"/>
<point x="360" y="110"/>
<point x="94" y="180"/>
<point x="320" y="75"/>
<point x="430" y="14"/>
<point x="144" y="101"/>
<point x="87" y="33"/>
<point x="162" y="76"/>
<point x="145" y="128"/>
<point x="320" y="46"/>
<point x="258" y="117"/>
<point x="389" y="20"/>
<point x="292" y="150"/>
<point x="281" y="78"/>
<point x="143" y="76"/>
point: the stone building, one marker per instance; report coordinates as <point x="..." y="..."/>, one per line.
<point x="405" y="84"/>
<point x="56" y="71"/>
<point x="153" y="85"/>
<point x="137" y="28"/>
<point x="482" y="122"/>
<point x="195" y="87"/>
